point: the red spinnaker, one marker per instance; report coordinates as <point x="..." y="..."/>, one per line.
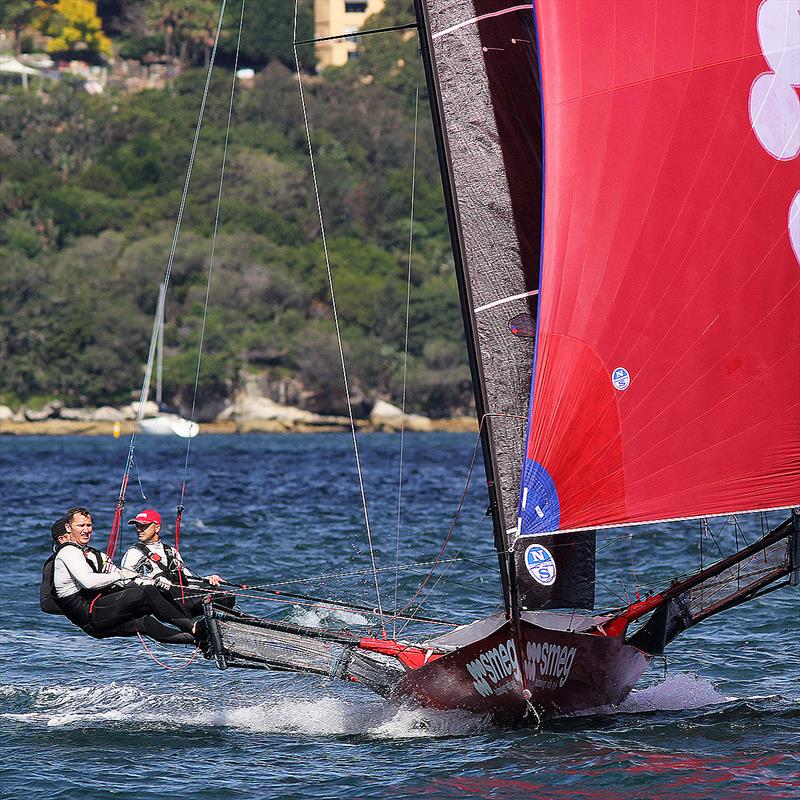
<point x="670" y="263"/>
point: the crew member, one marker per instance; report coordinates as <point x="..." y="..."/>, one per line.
<point x="103" y="600"/>
<point x="151" y="558"/>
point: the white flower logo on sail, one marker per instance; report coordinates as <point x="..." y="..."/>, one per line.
<point x="774" y="102"/>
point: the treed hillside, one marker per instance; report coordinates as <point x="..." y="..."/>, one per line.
<point x="90" y="188"/>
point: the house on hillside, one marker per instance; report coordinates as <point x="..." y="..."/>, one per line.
<point x="335" y="18"/>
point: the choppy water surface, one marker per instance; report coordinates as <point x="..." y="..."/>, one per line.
<point x="88" y="719"/>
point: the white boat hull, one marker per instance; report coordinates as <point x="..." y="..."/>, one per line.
<point x="170" y="425"/>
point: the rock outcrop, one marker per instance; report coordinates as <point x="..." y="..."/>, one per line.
<point x="108" y="414"/>
<point x="387" y="417"/>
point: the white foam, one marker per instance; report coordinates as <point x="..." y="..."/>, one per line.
<point x="317" y="617"/>
<point x="333" y="716"/>
<point x="678" y="692"/>
<point x="675" y="693"/>
<point x="315" y="713"/>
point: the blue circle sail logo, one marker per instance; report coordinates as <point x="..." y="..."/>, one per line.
<point x="541" y="564"/>
<point x="621" y="378"/>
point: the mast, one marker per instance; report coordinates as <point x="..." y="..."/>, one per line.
<point x="507" y="579"/>
<point x="160" y="352"/>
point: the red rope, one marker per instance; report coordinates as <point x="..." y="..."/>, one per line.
<point x="116" y="525"/>
<point x="161" y="663"/>
<point x="91" y="605"/>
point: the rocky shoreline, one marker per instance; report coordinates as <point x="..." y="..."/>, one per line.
<point x="248" y="415"/>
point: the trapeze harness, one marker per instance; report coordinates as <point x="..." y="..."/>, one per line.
<point x="115" y="610"/>
<point x="169" y="567"/>
<point x="187" y="588"/>
<point x="77" y="608"/>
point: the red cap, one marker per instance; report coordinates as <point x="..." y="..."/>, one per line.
<point x="146" y="517"/>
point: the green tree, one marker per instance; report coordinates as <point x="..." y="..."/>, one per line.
<point x="201" y="28"/>
<point x="89" y="191"/>
<point x="391" y="57"/>
<point x="16" y="15"/>
<point x="267" y="33"/>
<point x="188" y="27"/>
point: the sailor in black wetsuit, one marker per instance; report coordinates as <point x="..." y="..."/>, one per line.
<point x="104" y="600"/>
<point x="152" y="558"/>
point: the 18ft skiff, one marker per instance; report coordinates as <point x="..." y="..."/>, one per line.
<point x="622" y="188"/>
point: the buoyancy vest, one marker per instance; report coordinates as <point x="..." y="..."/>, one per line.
<point x="169" y="567"/>
<point x="49" y="601"/>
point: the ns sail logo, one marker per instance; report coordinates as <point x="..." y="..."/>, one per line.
<point x="540" y="564"/>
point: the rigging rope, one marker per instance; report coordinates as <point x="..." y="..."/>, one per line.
<point x="180" y="509"/>
<point x="405" y="347"/>
<point x="452" y="524"/>
<point x="334" y="310"/>
<point x="348" y="574"/>
<point x="116" y="525"/>
<point x="161" y="663"/>
<point x="413" y="615"/>
<point x="332" y="605"/>
<point x="214" y="236"/>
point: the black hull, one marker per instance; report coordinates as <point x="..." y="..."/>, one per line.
<point x="537" y="672"/>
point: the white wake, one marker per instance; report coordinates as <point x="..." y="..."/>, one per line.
<point x="321" y="715"/>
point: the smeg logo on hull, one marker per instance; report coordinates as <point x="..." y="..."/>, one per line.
<point x="547" y="666"/>
<point x="496" y="671"/>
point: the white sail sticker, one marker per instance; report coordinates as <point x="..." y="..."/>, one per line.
<point x="794" y="226"/>
<point x="621" y="379"/>
<point x="540" y="564"/>
<point x="774" y="102"/>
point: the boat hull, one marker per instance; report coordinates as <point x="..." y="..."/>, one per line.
<point x="170" y="425"/>
<point x="564" y="672"/>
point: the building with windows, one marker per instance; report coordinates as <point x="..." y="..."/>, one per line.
<point x="337" y="17"/>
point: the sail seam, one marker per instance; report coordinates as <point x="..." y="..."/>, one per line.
<point x="653" y="79"/>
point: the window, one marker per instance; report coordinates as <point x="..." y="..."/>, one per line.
<point x="355" y="8"/>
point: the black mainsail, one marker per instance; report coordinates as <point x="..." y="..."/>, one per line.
<point x="482" y="70"/>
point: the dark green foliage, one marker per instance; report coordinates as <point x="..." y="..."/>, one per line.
<point x="89" y="194"/>
<point x="267" y="33"/>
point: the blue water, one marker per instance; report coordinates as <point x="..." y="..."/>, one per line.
<point x="89" y="719"/>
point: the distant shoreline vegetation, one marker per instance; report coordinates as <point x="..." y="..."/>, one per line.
<point x="89" y="191"/>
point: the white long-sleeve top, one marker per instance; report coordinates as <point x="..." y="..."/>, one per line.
<point x="136" y="561"/>
<point x="72" y="573"/>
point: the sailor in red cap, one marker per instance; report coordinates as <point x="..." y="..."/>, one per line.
<point x="151" y="558"/>
<point x="84" y="585"/>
